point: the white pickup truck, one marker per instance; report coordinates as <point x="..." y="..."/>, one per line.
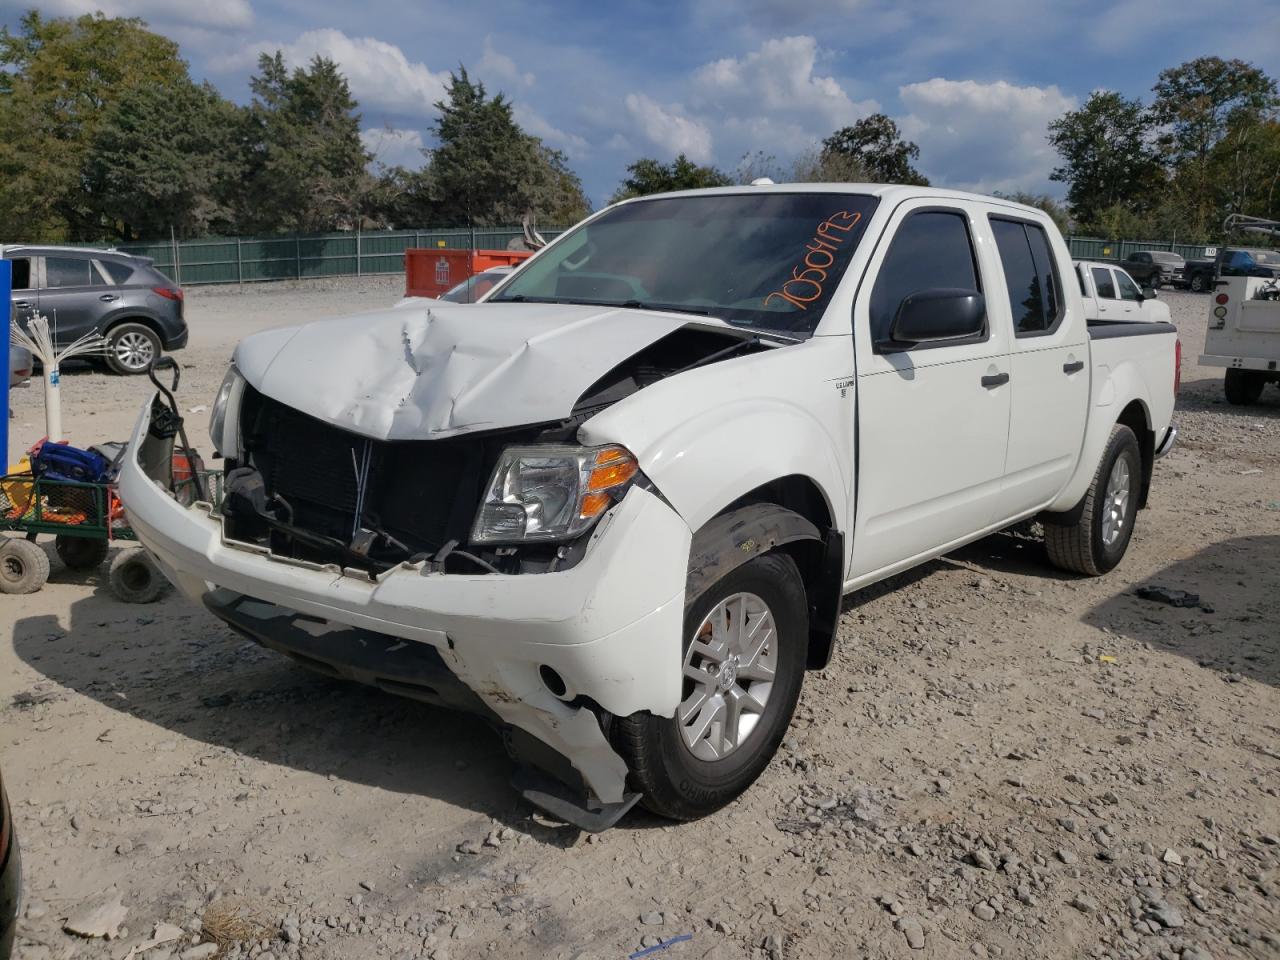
<point x="1109" y="293"/>
<point x="614" y="507"/>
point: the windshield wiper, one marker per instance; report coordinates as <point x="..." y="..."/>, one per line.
<point x="663" y="307"/>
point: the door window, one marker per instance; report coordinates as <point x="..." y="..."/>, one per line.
<point x="66" y="272"/>
<point x="1030" y="275"/>
<point x="119" y="272"/>
<point x="21" y="273"/>
<point x="931" y="249"/>
<point x="1105" y="285"/>
<point x="1128" y="289"/>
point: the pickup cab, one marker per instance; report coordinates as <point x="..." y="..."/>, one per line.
<point x="614" y="507"/>
<point x="1110" y="293"/>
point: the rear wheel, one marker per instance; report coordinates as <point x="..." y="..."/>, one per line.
<point x="1198" y="284"/>
<point x="134" y="578"/>
<point x="1243" y="387"/>
<point x="1097" y="541"/>
<point x="131" y="348"/>
<point x="745" y="647"/>
<point x="24" y="566"/>
<point x="80" y="553"/>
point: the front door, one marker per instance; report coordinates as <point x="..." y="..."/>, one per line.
<point x="1049" y="364"/>
<point x="1104" y="292"/>
<point x="932" y="421"/>
<point x="23" y="295"/>
<point x="69" y="297"/>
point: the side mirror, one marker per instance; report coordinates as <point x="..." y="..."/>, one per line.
<point x="938" y="315"/>
<point x="1149" y="293"/>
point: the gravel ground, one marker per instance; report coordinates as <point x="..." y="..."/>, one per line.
<point x="1001" y="761"/>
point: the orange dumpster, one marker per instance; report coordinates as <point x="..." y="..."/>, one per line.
<point x="429" y="273"/>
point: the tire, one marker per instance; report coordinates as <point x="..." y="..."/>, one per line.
<point x="1154" y="281"/>
<point x="1092" y="545"/>
<point x="1243" y="387"/>
<point x="134" y="578"/>
<point x="675" y="781"/>
<point x="24" y="566"/>
<point x="1197" y="283"/>
<point x="132" y="348"/>
<point x="80" y="553"/>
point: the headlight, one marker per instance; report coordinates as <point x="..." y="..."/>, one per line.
<point x="551" y="492"/>
<point x="224" y="430"/>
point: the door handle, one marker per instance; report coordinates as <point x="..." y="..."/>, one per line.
<point x="1074" y="367"/>
<point x="995" y="380"/>
<point x="108" y="297"/>
<point x="22" y="303"/>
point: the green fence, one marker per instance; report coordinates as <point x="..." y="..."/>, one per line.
<point x="1093" y="248"/>
<point x="308" y="256"/>
<point x="305" y="256"/>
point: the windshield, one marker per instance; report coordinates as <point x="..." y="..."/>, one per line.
<point x="1269" y="257"/>
<point x="1166" y="258"/>
<point x="473" y="288"/>
<point x="766" y="260"/>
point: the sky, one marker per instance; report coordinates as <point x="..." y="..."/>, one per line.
<point x="973" y="83"/>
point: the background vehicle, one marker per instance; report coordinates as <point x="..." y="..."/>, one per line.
<point x="1155" y="268"/>
<point x="1232" y="262"/>
<point x="1244" y="336"/>
<point x="124" y="298"/>
<point x="19" y="365"/>
<point x="10" y="876"/>
<point x="614" y="507"/>
<point x="1111" y="294"/>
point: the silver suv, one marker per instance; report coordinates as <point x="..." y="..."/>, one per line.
<point x="123" y="297"/>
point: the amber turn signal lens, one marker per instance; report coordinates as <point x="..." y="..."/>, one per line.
<point x="594" y="504"/>
<point x="613" y="468"/>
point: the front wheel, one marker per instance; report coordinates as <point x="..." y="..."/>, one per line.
<point x="1243" y="387"/>
<point x="24" y="566"/>
<point x="1197" y="283"/>
<point x="1097" y="541"/>
<point x="131" y="348"/>
<point x="746" y="639"/>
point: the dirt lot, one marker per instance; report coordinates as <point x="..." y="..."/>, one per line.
<point x="1002" y="760"/>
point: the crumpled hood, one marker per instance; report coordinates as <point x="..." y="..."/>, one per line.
<point x="431" y="371"/>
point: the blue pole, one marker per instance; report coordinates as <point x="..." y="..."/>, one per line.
<point x="6" y="318"/>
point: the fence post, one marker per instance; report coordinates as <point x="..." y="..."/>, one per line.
<point x="297" y="257"/>
<point x="358" y="253"/>
<point x="177" y="261"/>
<point x="239" y="266"/>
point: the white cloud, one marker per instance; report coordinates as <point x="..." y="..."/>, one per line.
<point x="500" y="70"/>
<point x="391" y="147"/>
<point x="534" y="123"/>
<point x="668" y="128"/>
<point x="778" y="81"/>
<point x="983" y="136"/>
<point x="224" y="14"/>
<point x="380" y="75"/>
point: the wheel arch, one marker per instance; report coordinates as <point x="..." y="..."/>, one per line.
<point x="133" y="316"/>
<point x="1137" y="418"/>
<point x="790" y="515"/>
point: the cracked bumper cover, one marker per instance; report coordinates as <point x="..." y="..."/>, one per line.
<point x="610" y="626"/>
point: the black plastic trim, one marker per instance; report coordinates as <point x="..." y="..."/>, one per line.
<point x="1106" y="329"/>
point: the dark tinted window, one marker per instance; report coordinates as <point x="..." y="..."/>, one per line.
<point x="21" y="273"/>
<point x="1102" y="280"/>
<point x="1030" y="275"/>
<point x="66" y="272"/>
<point x="119" y="272"/>
<point x="1128" y="289"/>
<point x="931" y="249"/>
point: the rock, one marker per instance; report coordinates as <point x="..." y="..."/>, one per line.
<point x="913" y="931"/>
<point x="1174" y="598"/>
<point x="1172" y="856"/>
<point x="201" y="951"/>
<point x="649" y="940"/>
<point x="1095" y="713"/>
<point x="1066" y="856"/>
<point x="100" y="917"/>
<point x="651" y="919"/>
<point x="773" y="945"/>
<point x="1196" y="953"/>
<point x="124" y="848"/>
<point x="470" y="847"/>
<point x="981" y="859"/>
<point x="1165" y="914"/>
<point x="36" y="910"/>
<point x="462" y="932"/>
<point x="984" y="911"/>
<point x="1085" y="904"/>
<point x="367" y="885"/>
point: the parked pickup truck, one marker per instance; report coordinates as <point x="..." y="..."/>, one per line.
<point x="1109" y="293"/>
<point x="1231" y="262"/>
<point x="614" y="506"/>
<point x="1155" y="268"/>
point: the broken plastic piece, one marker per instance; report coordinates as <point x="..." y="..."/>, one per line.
<point x="661" y="946"/>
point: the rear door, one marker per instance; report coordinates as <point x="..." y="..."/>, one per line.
<point x="1130" y="296"/>
<point x="1104" y="292"/>
<point x="933" y="420"/>
<point x="1049" y="365"/>
<point x="72" y="295"/>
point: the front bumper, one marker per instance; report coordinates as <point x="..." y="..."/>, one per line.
<point x="610" y="626"/>
<point x="1166" y="442"/>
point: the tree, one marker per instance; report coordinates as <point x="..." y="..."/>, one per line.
<point x="1211" y="112"/>
<point x="487" y="171"/>
<point x="307" y="165"/>
<point x="1041" y="201"/>
<point x="59" y="81"/>
<point x="877" y="146"/>
<point x="652" y="176"/>
<point x="1108" y="157"/>
<point x="168" y="157"/>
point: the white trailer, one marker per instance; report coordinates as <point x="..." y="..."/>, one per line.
<point x="1244" y="336"/>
